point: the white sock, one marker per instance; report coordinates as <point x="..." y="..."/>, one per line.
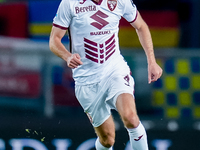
<point x="99" y="146"/>
<point x="138" y="138"/>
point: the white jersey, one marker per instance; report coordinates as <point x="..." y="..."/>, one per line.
<point x="93" y="30"/>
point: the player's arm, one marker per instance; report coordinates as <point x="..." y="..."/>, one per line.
<point x="154" y="70"/>
<point x="56" y="46"/>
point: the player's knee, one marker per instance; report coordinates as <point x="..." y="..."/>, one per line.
<point x="131" y="120"/>
<point x="107" y="140"/>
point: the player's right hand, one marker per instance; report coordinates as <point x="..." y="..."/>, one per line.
<point x="74" y="61"/>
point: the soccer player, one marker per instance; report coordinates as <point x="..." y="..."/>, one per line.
<point x="102" y="76"/>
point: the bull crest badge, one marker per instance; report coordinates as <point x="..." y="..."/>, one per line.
<point x="112" y="4"/>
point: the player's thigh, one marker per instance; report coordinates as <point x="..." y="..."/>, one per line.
<point x="106" y="131"/>
<point x="127" y="109"/>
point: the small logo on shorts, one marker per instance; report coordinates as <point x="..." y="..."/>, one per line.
<point x="127" y="79"/>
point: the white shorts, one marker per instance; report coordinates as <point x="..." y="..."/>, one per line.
<point x="98" y="99"/>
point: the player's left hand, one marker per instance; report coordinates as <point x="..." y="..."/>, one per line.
<point x="154" y="72"/>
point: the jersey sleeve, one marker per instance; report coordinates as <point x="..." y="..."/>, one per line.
<point x="63" y="16"/>
<point x="130" y="11"/>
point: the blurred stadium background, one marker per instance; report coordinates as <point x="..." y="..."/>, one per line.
<point x="38" y="109"/>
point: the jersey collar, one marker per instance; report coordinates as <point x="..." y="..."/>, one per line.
<point x="99" y="3"/>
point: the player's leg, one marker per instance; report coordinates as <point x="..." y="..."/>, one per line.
<point x="106" y="135"/>
<point x="126" y="107"/>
